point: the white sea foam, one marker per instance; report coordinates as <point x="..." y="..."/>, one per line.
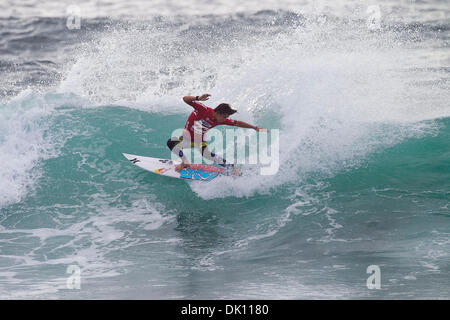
<point x="88" y="244"/>
<point x="25" y="139"/>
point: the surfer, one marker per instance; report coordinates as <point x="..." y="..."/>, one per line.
<point x="198" y="123"/>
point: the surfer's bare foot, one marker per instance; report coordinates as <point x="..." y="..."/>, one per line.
<point x="181" y="166"/>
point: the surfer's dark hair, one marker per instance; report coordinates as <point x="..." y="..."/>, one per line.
<point x="224" y="108"/>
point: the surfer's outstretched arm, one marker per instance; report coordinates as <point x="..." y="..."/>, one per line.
<point x="243" y="124"/>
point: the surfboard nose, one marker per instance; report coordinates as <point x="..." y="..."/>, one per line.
<point x="129" y="156"/>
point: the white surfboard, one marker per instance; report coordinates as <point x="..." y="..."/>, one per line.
<point x="166" y="167"/>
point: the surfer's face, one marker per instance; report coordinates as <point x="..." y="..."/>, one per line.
<point x="220" y="117"/>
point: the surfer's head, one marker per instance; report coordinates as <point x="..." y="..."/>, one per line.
<point x="223" y="111"/>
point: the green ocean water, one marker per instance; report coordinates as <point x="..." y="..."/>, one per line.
<point x="134" y="233"/>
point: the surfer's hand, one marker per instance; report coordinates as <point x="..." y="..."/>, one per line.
<point x="204" y="97"/>
<point x="181" y="166"/>
<point x="261" y="129"/>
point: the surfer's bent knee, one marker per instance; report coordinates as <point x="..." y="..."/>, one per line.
<point x="172" y="142"/>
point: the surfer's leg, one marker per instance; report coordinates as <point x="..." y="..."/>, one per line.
<point x="230" y="169"/>
<point x="176" y="146"/>
<point x="207" y="154"/>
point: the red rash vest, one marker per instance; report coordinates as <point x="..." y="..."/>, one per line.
<point x="201" y="120"/>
